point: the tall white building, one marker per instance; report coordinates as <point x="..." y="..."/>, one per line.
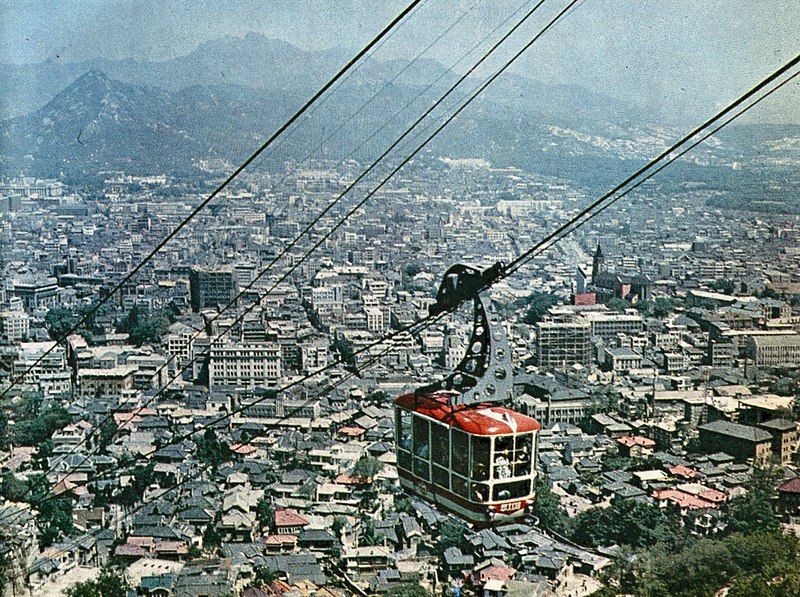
<point x="245" y="365"/>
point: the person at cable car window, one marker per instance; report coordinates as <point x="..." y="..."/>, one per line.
<point x="502" y="468"/>
<point x="504" y="444"/>
<point x="421" y="437"/>
<point x="405" y="430"/>
<point x="523" y="455"/>
<point x="460" y="453"/>
<point x="480" y="492"/>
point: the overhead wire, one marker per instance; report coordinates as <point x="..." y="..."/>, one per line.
<point x="560" y="232"/>
<point x="289" y="246"/>
<point x="397" y="168"/>
<point x="125" y="279"/>
<point x="199" y="473"/>
<point x="320" y="146"/>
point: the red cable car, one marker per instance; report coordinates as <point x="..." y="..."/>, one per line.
<point x="457" y="446"/>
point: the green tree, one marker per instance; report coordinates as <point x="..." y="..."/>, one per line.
<point x="211" y="537"/>
<point x="264" y="575"/>
<point x="451" y="534"/>
<point x="753" y="511"/>
<point x="54" y="519"/>
<point x="141" y="478"/>
<point x="211" y="450"/>
<point x="339" y="523"/>
<point x="110" y="583"/>
<point x="623" y="522"/>
<point x="13" y="489"/>
<point x="409" y="590"/>
<point x="618" y="304"/>
<point x="59" y="321"/>
<point x="194" y="552"/>
<point x="367" y="468"/>
<point x="724" y="286"/>
<point x="547" y="508"/>
<point x="536" y="306"/>
<point x="264" y="513"/>
<point x="761" y="563"/>
<point x="143" y="327"/>
<point x="34" y="424"/>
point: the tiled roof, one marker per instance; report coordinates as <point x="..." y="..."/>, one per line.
<point x="745" y="432"/>
<point x="289" y="518"/>
<point x="790" y="486"/>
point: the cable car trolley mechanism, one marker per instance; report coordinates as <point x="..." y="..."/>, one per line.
<point x="457" y="445"/>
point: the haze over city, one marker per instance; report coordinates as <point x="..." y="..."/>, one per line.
<point x="399" y="299"/>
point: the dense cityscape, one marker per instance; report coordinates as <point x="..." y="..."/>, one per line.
<point x="444" y="369"/>
<point x="662" y="366"/>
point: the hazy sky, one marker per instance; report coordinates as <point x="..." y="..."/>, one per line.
<point x="680" y="56"/>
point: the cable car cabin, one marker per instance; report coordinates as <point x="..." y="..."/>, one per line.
<point x="477" y="461"/>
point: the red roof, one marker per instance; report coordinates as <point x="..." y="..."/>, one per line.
<point x="682" y="471"/>
<point x="501" y="573"/>
<point x="289" y="518"/>
<point x="636" y="440"/>
<point x="351" y="431"/>
<point x="791" y="486"/>
<point x="682" y="499"/>
<point x="712" y="495"/>
<point x="480" y="419"/>
<point x="280" y="540"/>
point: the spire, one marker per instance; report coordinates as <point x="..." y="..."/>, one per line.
<point x="598" y="263"/>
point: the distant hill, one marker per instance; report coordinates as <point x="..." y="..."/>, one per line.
<point x="229" y="95"/>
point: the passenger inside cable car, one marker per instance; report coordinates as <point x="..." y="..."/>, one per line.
<point x="476" y="461"/>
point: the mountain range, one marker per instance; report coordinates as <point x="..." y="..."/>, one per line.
<point x="227" y="96"/>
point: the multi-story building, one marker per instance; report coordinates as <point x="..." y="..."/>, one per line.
<point x="608" y="325"/>
<point x="14" y="325"/>
<point x="280" y="408"/>
<point x="621" y="359"/>
<point x="743" y="442"/>
<point x="106" y="382"/>
<point x="245" y="365"/>
<point x="562" y="344"/>
<point x="212" y="286"/>
<point x="774" y="351"/>
<point x="28" y="361"/>
<point x="784" y="437"/>
<point x="37" y="292"/>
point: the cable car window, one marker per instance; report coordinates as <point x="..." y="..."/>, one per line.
<point x="404" y="460"/>
<point x="479" y="492"/>
<point x="512" y="490"/>
<point x="440" y="444"/>
<point x="422" y="468"/>
<point x="403" y="424"/>
<point x="460" y="486"/>
<point x="504" y="444"/>
<point x="503" y="457"/>
<point x="480" y="458"/>
<point x="441" y="477"/>
<point x="523" y="455"/>
<point x="459" y="452"/>
<point x="421" y="438"/>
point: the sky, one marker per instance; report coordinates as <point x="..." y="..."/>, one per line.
<point x="676" y="57"/>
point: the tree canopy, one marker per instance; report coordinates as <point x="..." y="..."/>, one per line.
<point x="763" y="563"/>
<point x="753" y="511"/>
<point x="110" y="583"/>
<point x="623" y="522"/>
<point x="367" y="467"/>
<point x="536" y="306"/>
<point x="143" y="327"/>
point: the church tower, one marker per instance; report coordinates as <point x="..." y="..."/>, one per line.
<point x="598" y="263"/>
